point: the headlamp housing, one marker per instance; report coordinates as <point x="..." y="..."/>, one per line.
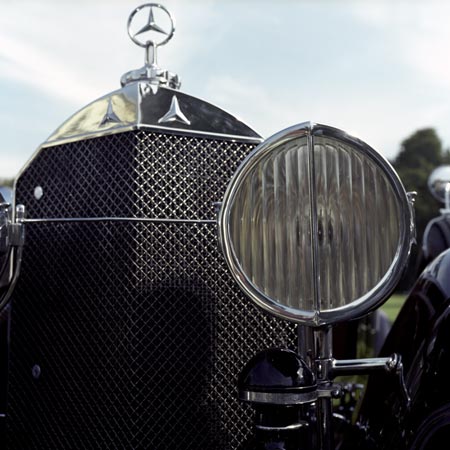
<point x="316" y="226"/>
<point x="439" y="184"/>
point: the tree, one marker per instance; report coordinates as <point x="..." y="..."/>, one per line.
<point x="419" y="155"/>
<point x="421" y="150"/>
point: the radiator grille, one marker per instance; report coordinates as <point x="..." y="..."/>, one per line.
<point x="131" y="335"/>
<point x="132" y="174"/>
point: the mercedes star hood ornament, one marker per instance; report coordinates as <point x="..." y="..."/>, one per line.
<point x="150" y="26"/>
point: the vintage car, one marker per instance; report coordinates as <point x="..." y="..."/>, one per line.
<point x="170" y="280"/>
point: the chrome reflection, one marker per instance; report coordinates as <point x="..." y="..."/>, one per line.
<point x="439" y="186"/>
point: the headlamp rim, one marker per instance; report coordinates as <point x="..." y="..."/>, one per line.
<point x="358" y="307"/>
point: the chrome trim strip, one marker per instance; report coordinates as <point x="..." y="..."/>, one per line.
<point x="295" y="426"/>
<point x="115" y="219"/>
<point x="313" y="224"/>
<point x="167" y="130"/>
<point x="126" y="128"/>
<point x="279" y="398"/>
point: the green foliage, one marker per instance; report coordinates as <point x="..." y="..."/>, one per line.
<point x="446" y="157"/>
<point x="419" y="155"/>
<point x="393" y="306"/>
<point x="423" y="149"/>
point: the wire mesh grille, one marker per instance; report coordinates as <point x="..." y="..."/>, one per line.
<point x="132" y="174"/>
<point x="131" y="335"/>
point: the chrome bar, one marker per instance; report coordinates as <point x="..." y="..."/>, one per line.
<point x="323" y="347"/>
<point x="352" y="366"/>
<point x="114" y="219"/>
<point x="314" y="224"/>
<point x="275" y="398"/>
<point x="306" y="345"/>
<point x="447" y="196"/>
<point x="295" y="426"/>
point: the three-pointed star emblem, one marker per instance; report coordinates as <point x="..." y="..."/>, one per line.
<point x="174" y="114"/>
<point x="110" y="115"/>
<point x="151" y="25"/>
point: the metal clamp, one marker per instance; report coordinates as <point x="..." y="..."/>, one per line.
<point x="12" y="239"/>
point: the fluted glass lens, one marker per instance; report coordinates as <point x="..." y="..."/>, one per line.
<point x="331" y="204"/>
<point x="270" y="224"/>
<point x="357" y="222"/>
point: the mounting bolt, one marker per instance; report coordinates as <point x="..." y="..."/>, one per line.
<point x="336" y="392"/>
<point x="36" y="371"/>
<point x="38" y="192"/>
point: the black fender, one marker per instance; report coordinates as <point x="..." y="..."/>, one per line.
<point x="421" y="335"/>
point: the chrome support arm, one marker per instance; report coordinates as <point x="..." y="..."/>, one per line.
<point x="391" y="364"/>
<point x="323" y="347"/>
<point x="366" y="365"/>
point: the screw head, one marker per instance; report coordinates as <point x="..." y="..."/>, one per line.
<point x="38" y="192"/>
<point x="36" y="371"/>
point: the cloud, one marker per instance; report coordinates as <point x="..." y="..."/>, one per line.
<point x="380" y="121"/>
<point x="58" y="56"/>
<point x="378" y="69"/>
<point x="55" y="47"/>
<point x="78" y="52"/>
<point x="418" y="30"/>
<point x="10" y="166"/>
<point x="26" y="63"/>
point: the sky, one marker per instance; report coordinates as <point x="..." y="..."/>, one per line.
<point x="379" y="70"/>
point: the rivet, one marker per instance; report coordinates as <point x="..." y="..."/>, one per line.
<point x="38" y="192"/>
<point x="36" y="371"/>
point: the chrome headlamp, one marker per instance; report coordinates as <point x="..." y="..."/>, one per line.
<point x="439" y="186"/>
<point x="316" y="226"/>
